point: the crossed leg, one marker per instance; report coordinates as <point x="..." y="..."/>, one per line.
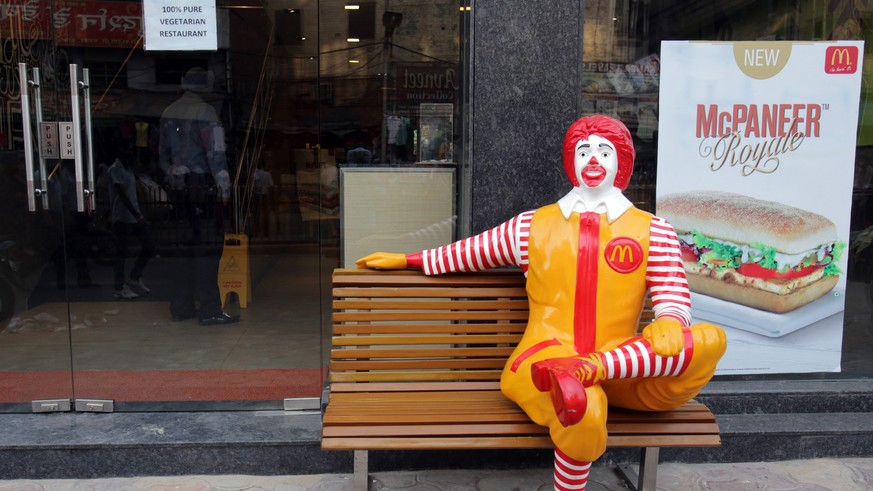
<point x="569" y="393"/>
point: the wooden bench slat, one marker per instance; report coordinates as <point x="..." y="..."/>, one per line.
<point x="419" y="412"/>
<point x="411" y="409"/>
<point x="510" y="442"/>
<point x="447" y="304"/>
<point x="429" y="292"/>
<point x="404" y="352"/>
<point x="503" y="415"/>
<point x="339" y="387"/>
<point x="445" y="443"/>
<point x="503" y="327"/>
<point x="411" y="279"/>
<point x="497" y="429"/>
<point x="406" y="418"/>
<point x="647" y="428"/>
<point x="417" y="364"/>
<point x="420" y="416"/>
<point x="435" y="391"/>
<point x="403" y="280"/>
<point x="416" y="376"/>
<point x="355" y="340"/>
<point x="411" y="397"/>
<point x="443" y="401"/>
<point x="365" y="277"/>
<point x="693" y="426"/>
<point x="426" y="430"/>
<point x="507" y="315"/>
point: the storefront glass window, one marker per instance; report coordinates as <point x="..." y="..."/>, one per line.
<point x="309" y="133"/>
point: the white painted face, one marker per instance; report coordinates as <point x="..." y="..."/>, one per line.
<point x="596" y="163"/>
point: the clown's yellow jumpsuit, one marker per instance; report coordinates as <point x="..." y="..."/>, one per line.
<point x="587" y="280"/>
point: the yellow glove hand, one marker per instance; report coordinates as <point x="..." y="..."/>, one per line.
<point x="666" y="336"/>
<point x="382" y="260"/>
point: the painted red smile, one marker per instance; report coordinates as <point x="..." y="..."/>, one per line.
<point x="593" y="174"/>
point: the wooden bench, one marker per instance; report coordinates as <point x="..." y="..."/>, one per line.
<point x="415" y="363"/>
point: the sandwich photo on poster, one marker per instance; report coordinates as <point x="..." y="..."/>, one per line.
<point x="755" y="174"/>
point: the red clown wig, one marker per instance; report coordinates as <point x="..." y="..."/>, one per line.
<point x="605" y="127"/>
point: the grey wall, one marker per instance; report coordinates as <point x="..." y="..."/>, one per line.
<point x="526" y="88"/>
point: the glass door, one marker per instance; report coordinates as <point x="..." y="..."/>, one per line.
<point x="209" y="298"/>
<point x="180" y="265"/>
<point x="38" y="271"/>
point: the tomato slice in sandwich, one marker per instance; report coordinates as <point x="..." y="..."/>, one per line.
<point x="755" y="270"/>
<point x="689" y="255"/>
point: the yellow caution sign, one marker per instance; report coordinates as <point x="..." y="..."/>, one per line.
<point x="234" y="275"/>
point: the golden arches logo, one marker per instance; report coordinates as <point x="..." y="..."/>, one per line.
<point x="841" y="59"/>
<point x="623" y="254"/>
<point x="621" y="251"/>
<point x="841" y="56"/>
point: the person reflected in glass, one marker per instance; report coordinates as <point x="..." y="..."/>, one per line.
<point x="192" y="138"/>
<point x="358" y="154"/>
<point x="128" y="221"/>
<point x="79" y="230"/>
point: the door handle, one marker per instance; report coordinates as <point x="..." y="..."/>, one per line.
<point x="89" y="147"/>
<point x="37" y="104"/>
<point x="77" y="136"/>
<point x="28" y="136"/>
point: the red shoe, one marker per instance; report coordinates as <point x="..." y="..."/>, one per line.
<point x="589" y="370"/>
<point x="557" y="376"/>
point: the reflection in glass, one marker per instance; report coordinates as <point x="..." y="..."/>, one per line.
<point x="84" y="314"/>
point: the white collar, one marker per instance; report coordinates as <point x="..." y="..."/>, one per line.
<point x="613" y="203"/>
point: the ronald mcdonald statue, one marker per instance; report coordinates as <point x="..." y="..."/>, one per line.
<point x="590" y="260"/>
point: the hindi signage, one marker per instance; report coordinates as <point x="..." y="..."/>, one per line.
<point x="73" y="23"/>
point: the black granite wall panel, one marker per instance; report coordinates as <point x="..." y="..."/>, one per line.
<point x="526" y="72"/>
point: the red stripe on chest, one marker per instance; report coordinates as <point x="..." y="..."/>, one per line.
<point x="585" y="315"/>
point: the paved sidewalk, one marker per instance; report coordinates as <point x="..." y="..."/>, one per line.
<point x="850" y="474"/>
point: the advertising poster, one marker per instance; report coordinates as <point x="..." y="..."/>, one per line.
<point x="756" y="151"/>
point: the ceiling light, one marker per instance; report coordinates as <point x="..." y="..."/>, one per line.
<point x="354" y="61"/>
<point x="353" y="40"/>
<point x="352" y="7"/>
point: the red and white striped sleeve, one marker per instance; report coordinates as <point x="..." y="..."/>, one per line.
<point x="503" y="245"/>
<point x="665" y="276"/>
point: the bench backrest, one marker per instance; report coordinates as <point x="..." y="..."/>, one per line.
<point x="403" y="326"/>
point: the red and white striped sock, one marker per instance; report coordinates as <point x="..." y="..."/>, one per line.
<point x="635" y="359"/>
<point x="570" y="474"/>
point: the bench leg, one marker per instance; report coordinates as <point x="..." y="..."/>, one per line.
<point x="648" y="468"/>
<point x="647" y="478"/>
<point x="361" y="477"/>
